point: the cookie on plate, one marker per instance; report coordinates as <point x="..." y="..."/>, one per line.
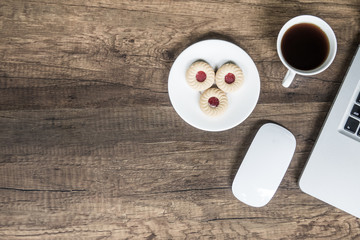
<point x="200" y="76"/>
<point x="229" y="77"/>
<point x="213" y="102"/>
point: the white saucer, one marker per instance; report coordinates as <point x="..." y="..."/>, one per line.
<point x="185" y="100"/>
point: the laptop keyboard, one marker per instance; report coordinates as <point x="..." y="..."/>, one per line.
<point x="353" y="121"/>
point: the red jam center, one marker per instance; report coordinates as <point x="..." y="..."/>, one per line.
<point x="213" y="101"/>
<point x="229" y="78"/>
<point x="200" y="76"/>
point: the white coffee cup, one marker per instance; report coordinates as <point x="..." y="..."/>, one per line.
<point x="292" y="71"/>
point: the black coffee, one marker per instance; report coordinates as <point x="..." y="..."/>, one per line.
<point x="305" y="46"/>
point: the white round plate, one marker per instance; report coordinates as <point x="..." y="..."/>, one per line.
<point x="185" y="100"/>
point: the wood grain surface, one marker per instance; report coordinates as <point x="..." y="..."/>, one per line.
<point x="91" y="148"/>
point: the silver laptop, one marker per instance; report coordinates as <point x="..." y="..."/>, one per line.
<point x="332" y="173"/>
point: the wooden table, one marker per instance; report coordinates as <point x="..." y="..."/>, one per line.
<point x="91" y="147"/>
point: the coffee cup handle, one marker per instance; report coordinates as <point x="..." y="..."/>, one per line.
<point x="289" y="77"/>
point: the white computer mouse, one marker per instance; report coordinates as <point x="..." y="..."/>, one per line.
<point x="264" y="165"/>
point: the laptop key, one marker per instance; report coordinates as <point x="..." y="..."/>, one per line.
<point x="355" y="111"/>
<point x="351" y="125"/>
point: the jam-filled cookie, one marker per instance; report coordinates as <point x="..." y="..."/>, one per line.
<point x="213" y="102"/>
<point x="200" y="75"/>
<point x="229" y="77"/>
